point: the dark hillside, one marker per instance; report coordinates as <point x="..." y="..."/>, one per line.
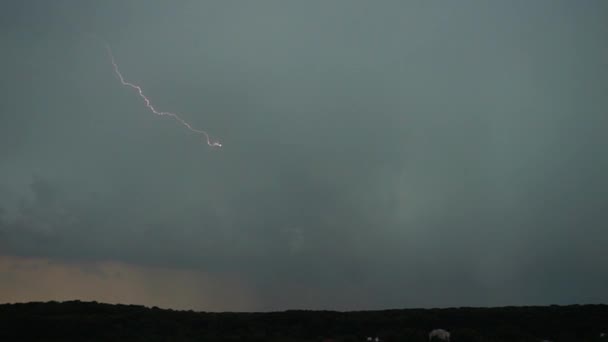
<point x="91" y="321"/>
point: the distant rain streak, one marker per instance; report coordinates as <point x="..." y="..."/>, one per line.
<point x="210" y="142"/>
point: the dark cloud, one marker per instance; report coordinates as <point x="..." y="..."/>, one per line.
<point x="375" y="155"/>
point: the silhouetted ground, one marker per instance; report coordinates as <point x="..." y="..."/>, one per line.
<point x="91" y="321"/>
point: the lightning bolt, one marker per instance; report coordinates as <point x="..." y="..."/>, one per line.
<point x="137" y="88"/>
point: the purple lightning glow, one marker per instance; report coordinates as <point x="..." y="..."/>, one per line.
<point x="210" y="142"/>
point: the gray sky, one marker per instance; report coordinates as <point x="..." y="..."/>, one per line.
<point x="376" y="154"/>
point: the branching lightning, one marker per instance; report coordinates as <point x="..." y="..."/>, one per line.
<point x="137" y="88"/>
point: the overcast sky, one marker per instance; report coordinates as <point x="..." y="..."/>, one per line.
<point x="376" y="154"/>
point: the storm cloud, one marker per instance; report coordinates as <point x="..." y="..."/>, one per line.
<point x="375" y="154"/>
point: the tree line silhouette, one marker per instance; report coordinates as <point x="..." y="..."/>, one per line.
<point x="92" y="321"/>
